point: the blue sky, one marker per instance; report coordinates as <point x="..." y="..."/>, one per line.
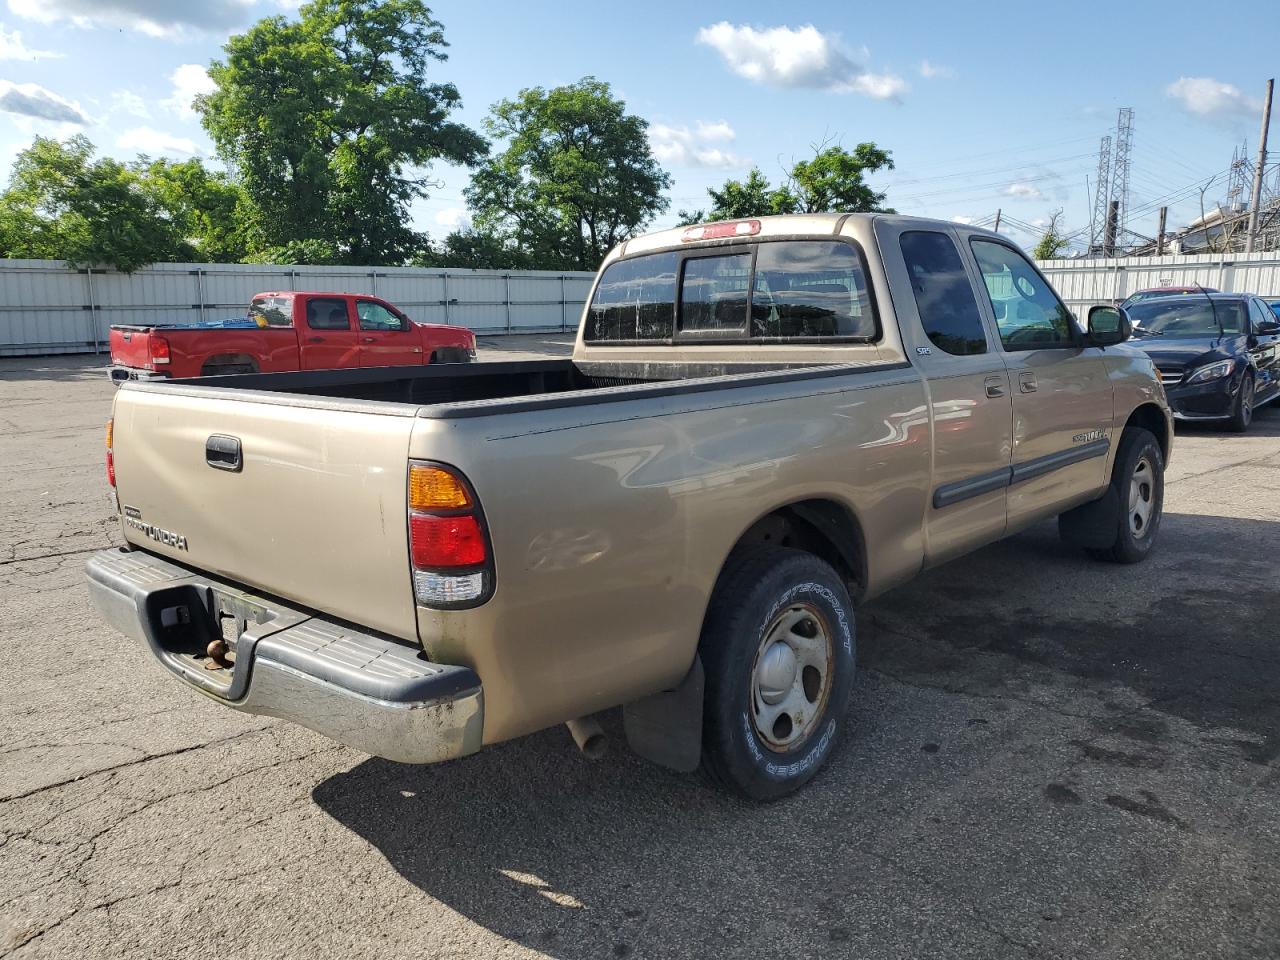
<point x="997" y="106"/>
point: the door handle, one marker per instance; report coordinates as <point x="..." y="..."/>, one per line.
<point x="1027" y="382"/>
<point x="315" y="340"/>
<point x="368" y="340"/>
<point x="995" y="386"/>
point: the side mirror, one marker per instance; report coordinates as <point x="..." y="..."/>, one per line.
<point x="1267" y="328"/>
<point x="1108" y="325"/>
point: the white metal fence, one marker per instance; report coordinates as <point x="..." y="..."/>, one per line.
<point x="1083" y="283"/>
<point x="48" y="307"/>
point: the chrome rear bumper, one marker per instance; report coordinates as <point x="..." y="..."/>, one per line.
<point x="368" y="691"/>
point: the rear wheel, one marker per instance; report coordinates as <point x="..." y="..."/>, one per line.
<point x="1137" y="482"/>
<point x="1242" y="412"/>
<point x="778" y="652"/>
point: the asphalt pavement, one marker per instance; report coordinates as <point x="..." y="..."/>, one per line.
<point x="1049" y="757"/>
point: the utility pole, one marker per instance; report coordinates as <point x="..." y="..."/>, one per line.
<point x="1164" y="213"/>
<point x="1255" y="199"/>
<point x="996" y="228"/>
<point x="1109" y="231"/>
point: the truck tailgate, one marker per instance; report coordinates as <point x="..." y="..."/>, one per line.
<point x="130" y="347"/>
<point x="315" y="514"/>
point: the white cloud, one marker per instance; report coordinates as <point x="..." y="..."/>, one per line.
<point x="717" y="130"/>
<point x="1209" y="97"/>
<point x="33" y="100"/>
<point x="935" y="71"/>
<point x="453" y="218"/>
<point x="188" y="81"/>
<point x="1024" y="191"/>
<point x="962" y="218"/>
<point x="155" y="18"/>
<point x="156" y="143"/>
<point x="129" y="103"/>
<point x="12" y="48"/>
<point x="682" y="147"/>
<point x="797" y="57"/>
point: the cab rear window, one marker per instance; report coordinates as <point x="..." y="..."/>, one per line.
<point x="789" y="290"/>
<point x="271" y="311"/>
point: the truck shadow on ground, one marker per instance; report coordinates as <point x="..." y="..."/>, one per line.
<point x="992" y="694"/>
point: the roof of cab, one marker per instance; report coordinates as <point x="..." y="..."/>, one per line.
<point x="783" y="225"/>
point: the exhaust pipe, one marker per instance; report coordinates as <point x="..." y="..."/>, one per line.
<point x="589" y="737"/>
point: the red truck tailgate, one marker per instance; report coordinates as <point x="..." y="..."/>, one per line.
<point x="130" y="346"/>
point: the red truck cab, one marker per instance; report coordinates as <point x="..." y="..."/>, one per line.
<point x="288" y="330"/>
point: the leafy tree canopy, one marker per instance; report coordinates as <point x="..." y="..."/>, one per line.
<point x="1053" y="243"/>
<point x="833" y="181"/>
<point x="576" y="177"/>
<point x="330" y="122"/>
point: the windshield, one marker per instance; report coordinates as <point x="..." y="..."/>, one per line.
<point x="1186" y="318"/>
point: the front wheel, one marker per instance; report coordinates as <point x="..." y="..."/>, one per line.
<point x="1242" y="411"/>
<point x="778" y="650"/>
<point x="1137" y="481"/>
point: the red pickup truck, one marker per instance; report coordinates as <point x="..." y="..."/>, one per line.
<point x="287" y="331"/>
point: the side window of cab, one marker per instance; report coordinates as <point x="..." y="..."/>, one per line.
<point x="1028" y="313"/>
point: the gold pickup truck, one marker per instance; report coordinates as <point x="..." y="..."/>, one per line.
<point x="763" y="423"/>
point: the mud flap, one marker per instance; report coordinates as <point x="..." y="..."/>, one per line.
<point x="666" y="728"/>
<point x="1092" y="525"/>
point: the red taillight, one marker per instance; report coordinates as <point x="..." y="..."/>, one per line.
<point x="159" y="349"/>
<point x="445" y="542"/>
<point x="111" y="459"/>
<point x="718" y="231"/>
<point x="448" y="543"/>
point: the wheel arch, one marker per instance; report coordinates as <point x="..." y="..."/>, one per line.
<point x="1152" y="418"/>
<point x="823" y="526"/>
<point x="230" y="359"/>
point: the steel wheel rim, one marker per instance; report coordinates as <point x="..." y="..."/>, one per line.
<point x="1142" y="498"/>
<point x="791" y="677"/>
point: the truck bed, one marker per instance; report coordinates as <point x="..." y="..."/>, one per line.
<point x="527" y="384"/>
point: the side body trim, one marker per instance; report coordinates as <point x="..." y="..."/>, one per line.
<point x="952" y="493"/>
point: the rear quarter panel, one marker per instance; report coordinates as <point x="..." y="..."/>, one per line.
<point x="275" y="350"/>
<point x="610" y="524"/>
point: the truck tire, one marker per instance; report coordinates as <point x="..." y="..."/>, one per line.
<point x="778" y="651"/>
<point x="1242" y="409"/>
<point x="1137" y="484"/>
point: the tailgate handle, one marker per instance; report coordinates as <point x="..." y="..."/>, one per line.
<point x="223" y="453"/>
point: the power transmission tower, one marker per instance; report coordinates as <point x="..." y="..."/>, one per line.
<point x="1239" y="177"/>
<point x="1101" y="195"/>
<point x="1120" y="168"/>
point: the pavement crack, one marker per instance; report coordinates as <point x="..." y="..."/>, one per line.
<point x="131" y="763"/>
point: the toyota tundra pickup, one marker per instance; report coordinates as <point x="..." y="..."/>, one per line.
<point x="763" y="424"/>
<point x="289" y="330"/>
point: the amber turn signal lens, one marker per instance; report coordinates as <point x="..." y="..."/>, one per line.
<point x="431" y="488"/>
<point x="110" y="424"/>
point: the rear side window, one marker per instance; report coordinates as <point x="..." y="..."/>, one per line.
<point x="944" y="296"/>
<point x="327" y="314"/>
<point x="810" y="288"/>
<point x="713" y="294"/>
<point x="635" y="300"/>
<point x="271" y="311"/>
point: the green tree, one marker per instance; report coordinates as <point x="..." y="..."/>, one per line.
<point x="833" y="181"/>
<point x="330" y="122"/>
<point x="212" y="211"/>
<point x="1052" y="243"/>
<point x="753" y="197"/>
<point x="62" y="204"/>
<point x="576" y="176"/>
